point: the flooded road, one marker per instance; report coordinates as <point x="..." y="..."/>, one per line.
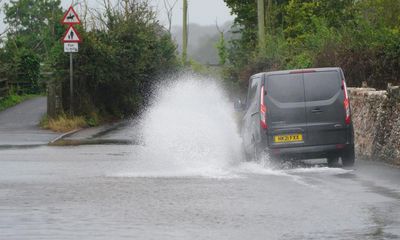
<point x="185" y="178"/>
<point x="94" y="192"/>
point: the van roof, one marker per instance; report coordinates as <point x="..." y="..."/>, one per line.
<point x="300" y="70"/>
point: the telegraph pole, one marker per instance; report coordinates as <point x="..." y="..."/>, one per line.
<point x="261" y="25"/>
<point x="185" y="33"/>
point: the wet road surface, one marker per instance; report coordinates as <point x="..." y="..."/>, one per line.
<point x="104" y="192"/>
<point x="185" y="179"/>
<point x="19" y="125"/>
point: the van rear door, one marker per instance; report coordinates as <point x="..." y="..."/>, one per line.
<point x="324" y="108"/>
<point x="286" y="114"/>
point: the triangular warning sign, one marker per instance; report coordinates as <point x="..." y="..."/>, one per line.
<point x="70" y="17"/>
<point x="71" y="35"/>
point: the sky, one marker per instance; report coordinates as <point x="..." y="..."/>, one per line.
<point x="202" y="12"/>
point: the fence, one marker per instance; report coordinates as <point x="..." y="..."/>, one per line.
<point x="21" y="87"/>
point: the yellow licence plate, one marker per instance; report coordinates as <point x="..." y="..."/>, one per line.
<point x="288" y="138"/>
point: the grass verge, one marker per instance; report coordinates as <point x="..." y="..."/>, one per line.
<point x="13" y="100"/>
<point x="63" y="123"/>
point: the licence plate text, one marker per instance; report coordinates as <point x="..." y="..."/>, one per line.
<point x="288" y="138"/>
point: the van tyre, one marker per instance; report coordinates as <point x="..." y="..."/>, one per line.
<point x="255" y="154"/>
<point x="333" y="162"/>
<point x="348" y="157"/>
<point x="246" y="155"/>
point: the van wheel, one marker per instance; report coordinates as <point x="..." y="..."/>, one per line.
<point x="246" y="155"/>
<point x="255" y="154"/>
<point x="348" y="157"/>
<point x="333" y="162"/>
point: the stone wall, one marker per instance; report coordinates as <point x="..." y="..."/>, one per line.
<point x="376" y="117"/>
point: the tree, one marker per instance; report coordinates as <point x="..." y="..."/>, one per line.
<point x="40" y="17"/>
<point x="33" y="29"/>
<point x="169" y="7"/>
<point x="245" y="22"/>
<point x="118" y="62"/>
<point x="300" y="15"/>
<point x="261" y="25"/>
<point x="221" y="46"/>
<point x="361" y="36"/>
<point x="382" y="13"/>
<point x="268" y="15"/>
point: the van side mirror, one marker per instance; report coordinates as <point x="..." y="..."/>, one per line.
<point x="239" y="105"/>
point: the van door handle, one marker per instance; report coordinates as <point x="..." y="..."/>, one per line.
<point x="316" y="110"/>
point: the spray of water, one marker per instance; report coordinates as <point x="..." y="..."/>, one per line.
<point x="190" y="127"/>
<point x="190" y="130"/>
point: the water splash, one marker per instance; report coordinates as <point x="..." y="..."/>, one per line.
<point x="190" y="131"/>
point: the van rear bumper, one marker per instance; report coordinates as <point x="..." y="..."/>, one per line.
<point x="310" y="152"/>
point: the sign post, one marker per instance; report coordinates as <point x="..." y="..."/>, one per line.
<point x="71" y="84"/>
<point x="71" y="39"/>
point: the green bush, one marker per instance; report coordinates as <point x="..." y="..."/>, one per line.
<point x="117" y="65"/>
<point x="33" y="28"/>
<point x="27" y="71"/>
<point x="362" y="37"/>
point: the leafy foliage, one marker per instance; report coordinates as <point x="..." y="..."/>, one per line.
<point x="116" y="66"/>
<point x="28" y="68"/>
<point x="361" y="36"/>
<point x="123" y="53"/>
<point x="221" y="48"/>
<point x="33" y="29"/>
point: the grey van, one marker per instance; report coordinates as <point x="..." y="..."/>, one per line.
<point x="299" y="114"/>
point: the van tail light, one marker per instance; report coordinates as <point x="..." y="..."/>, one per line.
<point x="346" y="103"/>
<point x="263" y="110"/>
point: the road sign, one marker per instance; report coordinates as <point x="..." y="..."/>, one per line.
<point x="71" y="47"/>
<point x="71" y="40"/>
<point x="70" y="17"/>
<point x="71" y="36"/>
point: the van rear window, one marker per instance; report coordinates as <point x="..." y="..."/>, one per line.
<point x="287" y="88"/>
<point x="321" y="85"/>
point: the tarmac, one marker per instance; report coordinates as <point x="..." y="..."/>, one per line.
<point x="113" y="133"/>
<point x="19" y="128"/>
<point x="19" y="125"/>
